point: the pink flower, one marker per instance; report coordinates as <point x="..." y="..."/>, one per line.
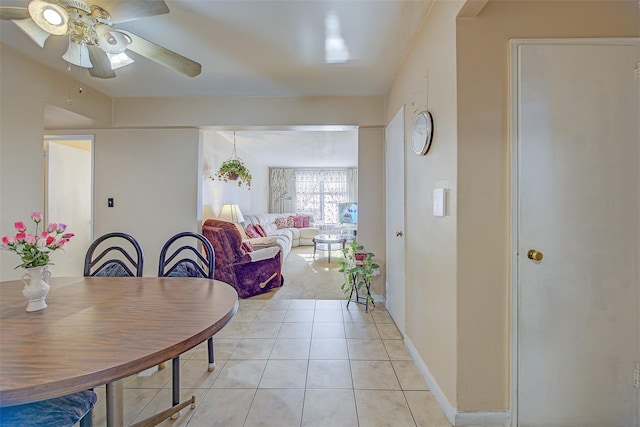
<point x="34" y="249"/>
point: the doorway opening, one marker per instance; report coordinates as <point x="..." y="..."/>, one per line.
<point x="68" y="196"/>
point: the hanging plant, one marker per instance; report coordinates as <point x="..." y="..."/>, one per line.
<point x="234" y="169"/>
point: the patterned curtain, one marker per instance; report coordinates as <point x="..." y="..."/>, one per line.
<point x="352" y="184"/>
<point x="282" y="190"/>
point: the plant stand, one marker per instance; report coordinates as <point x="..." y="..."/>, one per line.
<point x="365" y="298"/>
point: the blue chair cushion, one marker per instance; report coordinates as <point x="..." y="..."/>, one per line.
<point x="185" y="269"/>
<point x="112" y="270"/>
<point x="65" y="411"/>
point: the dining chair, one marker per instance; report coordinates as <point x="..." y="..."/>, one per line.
<point x="64" y="411"/>
<point x="187" y="254"/>
<point x="120" y="262"/>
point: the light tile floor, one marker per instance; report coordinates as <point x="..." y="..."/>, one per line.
<point x="290" y="363"/>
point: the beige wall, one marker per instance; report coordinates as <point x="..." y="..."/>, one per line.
<point x="428" y="78"/>
<point x="249" y="111"/>
<point x="483" y="173"/>
<point x="216" y="149"/>
<point x="371" y="216"/>
<point x="152" y="176"/>
<point x="457" y="271"/>
<point x="25" y="89"/>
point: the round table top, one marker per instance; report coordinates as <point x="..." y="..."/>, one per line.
<point x="329" y="238"/>
<point x="97" y="330"/>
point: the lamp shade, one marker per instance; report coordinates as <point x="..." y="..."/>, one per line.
<point x="231" y="213"/>
<point x="111" y="41"/>
<point x="77" y="55"/>
<point x="119" y="60"/>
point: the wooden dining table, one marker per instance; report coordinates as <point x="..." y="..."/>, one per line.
<point x="99" y="330"/>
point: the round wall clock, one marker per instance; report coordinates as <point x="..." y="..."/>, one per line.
<point x="422" y="133"/>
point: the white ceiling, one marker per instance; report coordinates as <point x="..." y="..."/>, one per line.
<point x="309" y="148"/>
<point x="254" y="48"/>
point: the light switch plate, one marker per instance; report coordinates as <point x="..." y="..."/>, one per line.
<point x="440" y="202"/>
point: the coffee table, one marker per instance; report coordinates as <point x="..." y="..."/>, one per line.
<point x="324" y="242"/>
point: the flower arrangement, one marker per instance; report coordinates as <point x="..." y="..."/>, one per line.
<point x="34" y="249"/>
<point x="232" y="170"/>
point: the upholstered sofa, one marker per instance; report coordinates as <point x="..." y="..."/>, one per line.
<point x="282" y="226"/>
<point x="250" y="273"/>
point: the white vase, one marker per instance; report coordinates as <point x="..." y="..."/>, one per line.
<point x="36" y="287"/>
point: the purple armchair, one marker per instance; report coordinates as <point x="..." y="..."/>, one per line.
<point x="250" y="273"/>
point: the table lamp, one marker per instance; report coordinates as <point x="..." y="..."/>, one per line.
<point x="231" y="213"/>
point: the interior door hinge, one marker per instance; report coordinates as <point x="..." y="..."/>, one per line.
<point x="637" y="70"/>
<point x="636" y="376"/>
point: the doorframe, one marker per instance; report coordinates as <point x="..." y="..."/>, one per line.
<point x="514" y="145"/>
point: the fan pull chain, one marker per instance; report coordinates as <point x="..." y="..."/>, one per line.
<point x="69" y="101"/>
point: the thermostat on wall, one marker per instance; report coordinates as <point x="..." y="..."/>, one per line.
<point x="440" y="202"/>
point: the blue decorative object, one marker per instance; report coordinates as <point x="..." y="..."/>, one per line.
<point x="65" y="411"/>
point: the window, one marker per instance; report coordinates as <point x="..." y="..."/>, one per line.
<point x="318" y="192"/>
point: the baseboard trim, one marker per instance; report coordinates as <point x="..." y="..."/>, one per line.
<point x="456" y="418"/>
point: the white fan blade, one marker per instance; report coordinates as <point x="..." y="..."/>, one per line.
<point x="122" y="11"/>
<point x="8" y="12"/>
<point x="101" y="64"/>
<point x="162" y="55"/>
<point x="30" y="28"/>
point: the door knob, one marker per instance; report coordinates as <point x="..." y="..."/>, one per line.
<point x="398" y="233"/>
<point x="535" y="255"/>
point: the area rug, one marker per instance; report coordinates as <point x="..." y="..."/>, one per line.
<point x="309" y="277"/>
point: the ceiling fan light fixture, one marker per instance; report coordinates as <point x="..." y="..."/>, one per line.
<point x="50" y="17"/>
<point x="78" y="55"/>
<point x="111" y="41"/>
<point x="119" y="60"/>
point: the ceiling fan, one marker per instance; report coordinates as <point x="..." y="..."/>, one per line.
<point x="94" y="42"/>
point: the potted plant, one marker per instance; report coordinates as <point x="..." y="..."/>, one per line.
<point x="358" y="268"/>
<point x="232" y="170"/>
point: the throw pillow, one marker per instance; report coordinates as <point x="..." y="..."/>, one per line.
<point x="298" y="221"/>
<point x="281" y="222"/>
<point x="290" y="222"/>
<point x="260" y="229"/>
<point x="251" y="231"/>
<point x="306" y="221"/>
<point x="247" y="246"/>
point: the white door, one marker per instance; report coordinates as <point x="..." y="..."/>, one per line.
<point x="394" y="167"/>
<point x="578" y="190"/>
<point x="69" y="198"/>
